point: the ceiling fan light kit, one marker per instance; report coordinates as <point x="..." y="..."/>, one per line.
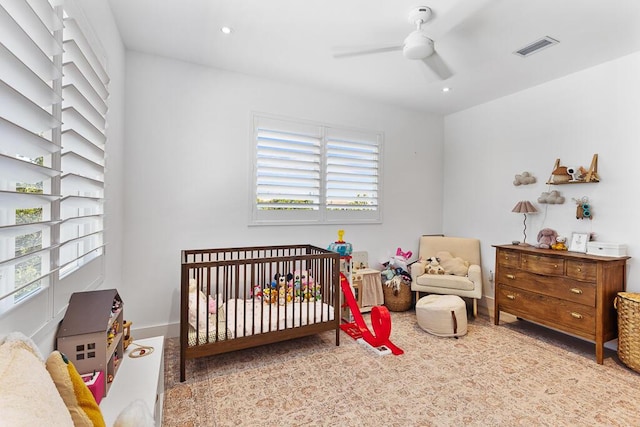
<point x="417" y="46"/>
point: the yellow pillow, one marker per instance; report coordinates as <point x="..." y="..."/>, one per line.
<point x="76" y="395"/>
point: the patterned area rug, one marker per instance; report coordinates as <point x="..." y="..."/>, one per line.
<point x="508" y="375"/>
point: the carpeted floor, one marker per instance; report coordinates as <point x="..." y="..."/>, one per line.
<point x="508" y="375"/>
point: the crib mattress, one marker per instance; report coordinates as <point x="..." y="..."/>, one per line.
<point x="247" y="317"/>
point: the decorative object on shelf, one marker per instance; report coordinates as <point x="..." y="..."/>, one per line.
<point x="560" y="244"/>
<point x="127" y="333"/>
<point x="525" y="178"/>
<point x="524" y="207"/>
<point x="551" y="197"/>
<point x="574" y="174"/>
<point x="579" y="242"/>
<point x="559" y="175"/>
<point x="546" y="238"/>
<point x="583" y="209"/>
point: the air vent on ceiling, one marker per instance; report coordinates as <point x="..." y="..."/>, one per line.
<point x="536" y="46"/>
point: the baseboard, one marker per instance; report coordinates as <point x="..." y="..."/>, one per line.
<point x="168" y="331"/>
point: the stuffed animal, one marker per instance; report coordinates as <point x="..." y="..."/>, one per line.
<point x="281" y="280"/>
<point x="301" y="278"/>
<point x="257" y="292"/>
<point x="546" y="238"/>
<point x="560" y="244"/>
<point x="198" y="308"/>
<point x="433" y="266"/>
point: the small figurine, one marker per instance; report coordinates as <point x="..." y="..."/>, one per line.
<point x="560" y="244"/>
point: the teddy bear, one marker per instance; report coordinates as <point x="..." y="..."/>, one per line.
<point x="560" y="244"/>
<point x="433" y="266"/>
<point x="546" y="238"/>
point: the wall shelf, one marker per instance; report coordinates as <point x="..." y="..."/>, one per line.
<point x="560" y="176"/>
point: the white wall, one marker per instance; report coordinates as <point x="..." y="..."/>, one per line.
<point x="593" y="111"/>
<point x="188" y="168"/>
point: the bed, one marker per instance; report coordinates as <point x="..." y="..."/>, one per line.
<point x="238" y="298"/>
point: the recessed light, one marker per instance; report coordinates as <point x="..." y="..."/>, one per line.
<point x="226" y="30"/>
<point x="446" y="89"/>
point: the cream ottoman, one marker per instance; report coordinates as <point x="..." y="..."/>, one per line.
<point x="442" y="315"/>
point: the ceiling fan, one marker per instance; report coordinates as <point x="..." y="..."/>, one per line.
<point x="418" y="45"/>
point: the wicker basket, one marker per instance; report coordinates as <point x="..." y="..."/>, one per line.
<point x="397" y="300"/>
<point x="628" y="306"/>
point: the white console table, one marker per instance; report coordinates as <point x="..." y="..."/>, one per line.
<point x="137" y="378"/>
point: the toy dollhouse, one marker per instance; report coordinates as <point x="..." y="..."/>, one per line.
<point x="91" y="333"/>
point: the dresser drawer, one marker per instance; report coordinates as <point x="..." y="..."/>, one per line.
<point x="543" y="264"/>
<point x="558" y="287"/>
<point x="508" y="258"/>
<point x="547" y="310"/>
<point x="582" y="270"/>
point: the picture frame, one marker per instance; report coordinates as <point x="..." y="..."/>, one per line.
<point x="578" y="242"/>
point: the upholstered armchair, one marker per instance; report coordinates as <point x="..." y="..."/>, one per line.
<point x="463" y="251"/>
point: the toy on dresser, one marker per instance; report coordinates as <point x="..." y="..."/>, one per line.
<point x="560" y="244"/>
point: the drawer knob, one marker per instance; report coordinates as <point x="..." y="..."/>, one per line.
<point x="579" y="269"/>
<point x="576" y="315"/>
<point x="555" y="265"/>
<point x="506" y="257"/>
<point x="576" y="291"/>
<point x="511" y="297"/>
<point x="510" y="276"/>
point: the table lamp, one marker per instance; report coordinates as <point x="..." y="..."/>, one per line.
<point x="524" y="207"/>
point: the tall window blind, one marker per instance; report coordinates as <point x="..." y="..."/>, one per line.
<point x="84" y="90"/>
<point x="40" y="169"/>
<point x="313" y="173"/>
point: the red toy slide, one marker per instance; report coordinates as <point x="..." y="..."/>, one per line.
<point x="380" y="320"/>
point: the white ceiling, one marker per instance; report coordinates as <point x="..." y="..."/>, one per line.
<point x="294" y="41"/>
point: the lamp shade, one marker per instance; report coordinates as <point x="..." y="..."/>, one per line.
<point x="525" y="207"/>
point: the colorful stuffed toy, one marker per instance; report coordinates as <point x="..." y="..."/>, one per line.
<point x="560" y="244"/>
<point x="433" y="266"/>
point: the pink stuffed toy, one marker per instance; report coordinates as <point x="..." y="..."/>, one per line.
<point x="546" y="238"/>
<point x="213" y="307"/>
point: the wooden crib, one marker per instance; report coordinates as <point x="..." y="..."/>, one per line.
<point x="237" y="298"/>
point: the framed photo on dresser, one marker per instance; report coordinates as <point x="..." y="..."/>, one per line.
<point x="578" y="242"/>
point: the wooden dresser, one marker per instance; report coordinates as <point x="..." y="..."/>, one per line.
<point x="567" y="291"/>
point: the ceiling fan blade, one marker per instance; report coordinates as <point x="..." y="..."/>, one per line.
<point x="455" y="16"/>
<point x="438" y="66"/>
<point x="366" y="51"/>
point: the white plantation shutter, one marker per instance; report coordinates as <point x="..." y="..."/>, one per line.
<point x="312" y="173"/>
<point x="84" y="89"/>
<point x="51" y="150"/>
<point x="352" y="171"/>
<point x="28" y="151"/>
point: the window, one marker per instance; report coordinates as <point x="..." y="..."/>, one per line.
<point x="51" y="150"/>
<point x="307" y="173"/>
